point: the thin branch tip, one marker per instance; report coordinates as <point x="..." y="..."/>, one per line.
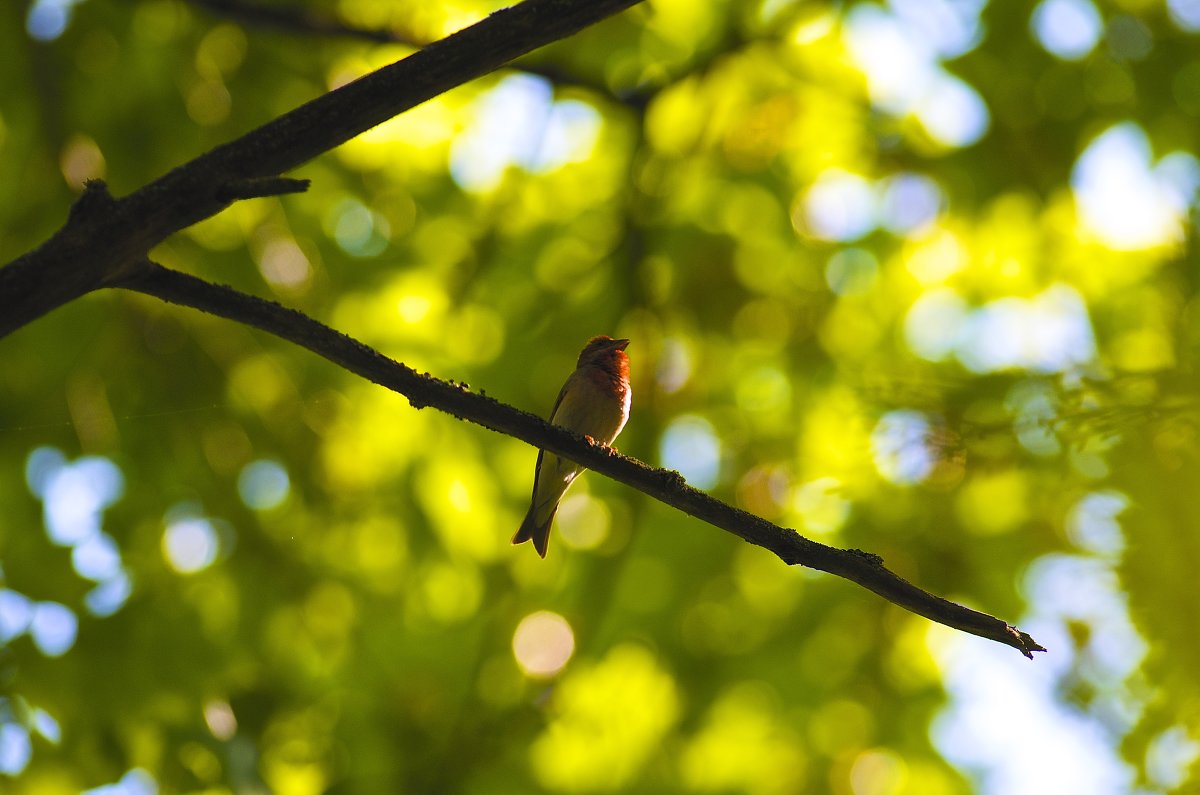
<point x="261" y="187"/>
<point x="1022" y="642"/>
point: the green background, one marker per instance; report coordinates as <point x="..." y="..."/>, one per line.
<point x="851" y="312"/>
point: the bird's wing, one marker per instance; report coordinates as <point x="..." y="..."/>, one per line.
<point x="537" y="469"/>
<point x="537" y="473"/>
<point x="558" y="401"/>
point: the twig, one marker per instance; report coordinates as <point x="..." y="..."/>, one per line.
<point x="664" y="485"/>
<point x="259" y="187"/>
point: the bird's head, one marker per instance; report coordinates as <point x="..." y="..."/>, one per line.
<point x="602" y="349"/>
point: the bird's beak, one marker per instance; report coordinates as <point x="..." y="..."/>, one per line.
<point x="619" y="345"/>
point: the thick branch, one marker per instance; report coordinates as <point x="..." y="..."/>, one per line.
<point x="664" y="485"/>
<point x="105" y="239"/>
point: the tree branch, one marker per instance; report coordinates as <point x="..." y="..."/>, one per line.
<point x="259" y="187"/>
<point x="104" y="239"/>
<point x="664" y="485"/>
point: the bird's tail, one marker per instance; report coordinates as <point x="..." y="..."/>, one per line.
<point x="533" y="530"/>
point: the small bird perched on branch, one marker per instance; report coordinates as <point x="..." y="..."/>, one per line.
<point x="594" y="402"/>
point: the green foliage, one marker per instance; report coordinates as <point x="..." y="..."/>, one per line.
<point x="852" y="312"/>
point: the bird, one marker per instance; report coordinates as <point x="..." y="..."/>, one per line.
<point x="594" y="402"/>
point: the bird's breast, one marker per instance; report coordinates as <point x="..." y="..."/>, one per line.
<point x="594" y="403"/>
